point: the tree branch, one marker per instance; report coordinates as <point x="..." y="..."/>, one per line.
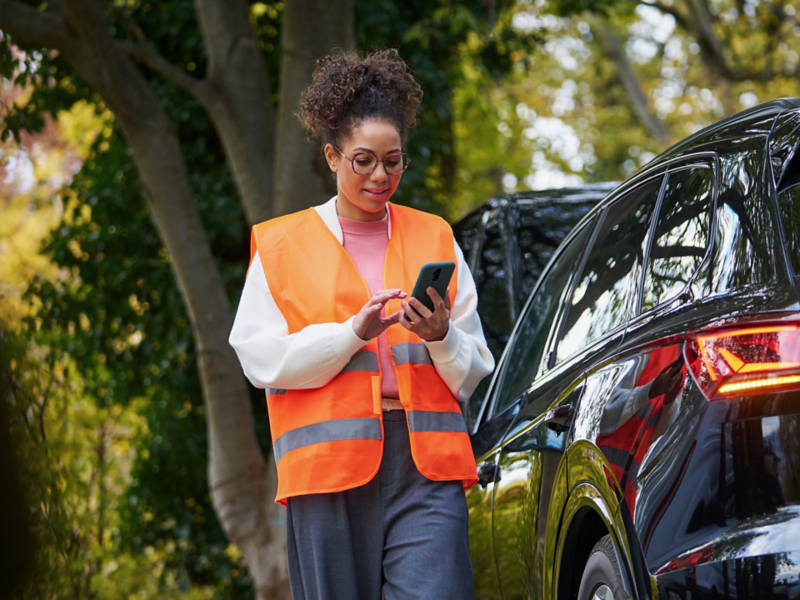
<point x="681" y="19"/>
<point x="702" y="29"/>
<point x="765" y="75"/>
<point x="142" y="52"/>
<point x="611" y="46"/>
<point x="40" y="26"/>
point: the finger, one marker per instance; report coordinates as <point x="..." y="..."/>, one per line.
<point x="423" y="310"/>
<point x="373" y="310"/>
<point x="438" y="301"/>
<point x="447" y="298"/>
<point x="405" y="323"/>
<point x="412" y="314"/>
<point x="383" y="296"/>
<point x="392" y="320"/>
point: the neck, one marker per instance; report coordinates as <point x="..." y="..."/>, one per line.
<point x="359" y="215"/>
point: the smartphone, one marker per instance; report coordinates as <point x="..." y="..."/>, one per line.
<point x="436" y="275"/>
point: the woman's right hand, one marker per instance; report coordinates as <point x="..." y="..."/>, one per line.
<point x="369" y="322"/>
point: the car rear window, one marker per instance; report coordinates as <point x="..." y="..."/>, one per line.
<point x="789" y="202"/>
<point x="491" y="280"/>
<point x="542" y="226"/>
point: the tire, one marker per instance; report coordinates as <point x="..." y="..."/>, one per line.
<point x="601" y="579"/>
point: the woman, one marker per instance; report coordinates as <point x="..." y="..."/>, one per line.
<point x="370" y="443"/>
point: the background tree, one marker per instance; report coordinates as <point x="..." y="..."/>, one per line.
<point x="97" y="45"/>
<point x="614" y="84"/>
<point x="191" y="109"/>
<point x="118" y="314"/>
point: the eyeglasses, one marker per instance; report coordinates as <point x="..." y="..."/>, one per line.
<point x="365" y="163"/>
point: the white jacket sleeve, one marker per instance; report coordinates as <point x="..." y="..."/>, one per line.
<point x="462" y="358"/>
<point x="271" y="357"/>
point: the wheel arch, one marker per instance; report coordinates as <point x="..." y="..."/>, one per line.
<point x="587" y="518"/>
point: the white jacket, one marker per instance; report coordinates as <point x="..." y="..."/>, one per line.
<point x="271" y="357"/>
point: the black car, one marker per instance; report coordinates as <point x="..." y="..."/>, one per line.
<point x="641" y="434"/>
<point x="508" y="242"/>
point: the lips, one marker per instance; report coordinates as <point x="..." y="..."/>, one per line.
<point x="376" y="192"/>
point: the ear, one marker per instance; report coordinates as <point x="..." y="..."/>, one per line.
<point x="331" y="157"/>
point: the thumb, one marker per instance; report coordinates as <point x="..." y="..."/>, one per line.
<point x="393" y="319"/>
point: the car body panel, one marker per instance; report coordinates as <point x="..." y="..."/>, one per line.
<point x="700" y="497"/>
<point x="529" y="462"/>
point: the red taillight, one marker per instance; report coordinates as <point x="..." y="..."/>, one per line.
<point x="752" y="359"/>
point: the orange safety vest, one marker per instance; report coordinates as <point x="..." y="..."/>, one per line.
<point x="330" y="438"/>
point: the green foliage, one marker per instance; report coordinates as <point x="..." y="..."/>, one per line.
<point x="55" y="85"/>
<point x="132" y="337"/>
<point x="18" y="544"/>
<point x="575" y="82"/>
<point x="75" y="459"/>
<point x="119" y="315"/>
<point x="442" y="41"/>
<point x="114" y="326"/>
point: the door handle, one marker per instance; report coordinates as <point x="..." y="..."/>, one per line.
<point x="559" y="419"/>
<point x="488" y="473"/>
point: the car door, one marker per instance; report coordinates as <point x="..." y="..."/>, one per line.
<point x="533" y="478"/>
<point x="633" y="397"/>
<point x="519" y="367"/>
<point x="650" y="359"/>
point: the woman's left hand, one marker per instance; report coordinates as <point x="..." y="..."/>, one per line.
<point x="430" y="326"/>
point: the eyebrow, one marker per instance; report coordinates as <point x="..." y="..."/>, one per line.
<point x="373" y="151"/>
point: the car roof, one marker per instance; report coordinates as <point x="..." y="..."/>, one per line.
<point x="752" y="121"/>
<point x="757" y="120"/>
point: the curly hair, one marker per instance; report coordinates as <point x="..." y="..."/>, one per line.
<point x="347" y="89"/>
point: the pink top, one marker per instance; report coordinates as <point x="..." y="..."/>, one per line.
<point x="366" y="243"/>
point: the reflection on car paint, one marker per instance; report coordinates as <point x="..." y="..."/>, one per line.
<point x="701" y="497"/>
<point x="600" y="302"/>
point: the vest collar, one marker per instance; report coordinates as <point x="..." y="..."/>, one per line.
<point x="327" y="212"/>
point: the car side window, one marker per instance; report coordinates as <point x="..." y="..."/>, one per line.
<point x="681" y="235"/>
<point x="528" y="344"/>
<point x="602" y="298"/>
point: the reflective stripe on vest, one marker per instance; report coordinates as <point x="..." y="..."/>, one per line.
<point x="329" y="438"/>
<point x="425" y="420"/>
<point x="411" y="352"/>
<point x="327" y="431"/>
<point x="363" y="360"/>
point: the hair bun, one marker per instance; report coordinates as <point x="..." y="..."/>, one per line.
<point x="346" y="88"/>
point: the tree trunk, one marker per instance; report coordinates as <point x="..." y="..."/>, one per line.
<point x="311" y="30"/>
<point x="242" y="487"/>
<point x="237" y="97"/>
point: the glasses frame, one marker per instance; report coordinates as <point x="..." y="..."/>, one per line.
<point x="406" y="161"/>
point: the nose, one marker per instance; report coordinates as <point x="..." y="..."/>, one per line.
<point x="379" y="174"/>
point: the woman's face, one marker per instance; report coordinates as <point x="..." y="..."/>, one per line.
<point x="364" y="197"/>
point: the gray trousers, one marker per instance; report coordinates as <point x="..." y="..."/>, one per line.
<point x="400" y="535"/>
